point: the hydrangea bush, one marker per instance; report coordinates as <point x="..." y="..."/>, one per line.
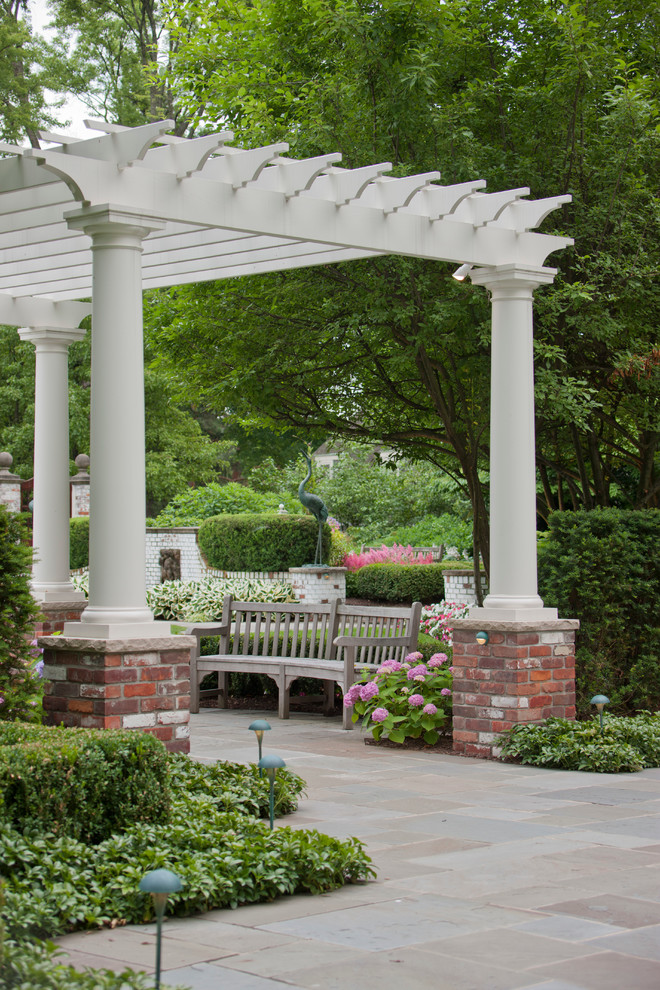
<point x="405" y="700"/>
<point x="437" y="620"/>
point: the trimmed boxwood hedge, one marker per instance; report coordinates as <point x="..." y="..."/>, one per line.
<point x="260" y="541"/>
<point x="79" y="542"/>
<point x="399" y="583"/>
<point x="84" y="783"/>
<point x="603" y="568"/>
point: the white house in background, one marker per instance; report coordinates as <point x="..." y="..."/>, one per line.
<point x="329" y="453"/>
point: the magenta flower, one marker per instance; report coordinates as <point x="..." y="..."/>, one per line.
<point x="445" y="691"/>
<point x="416" y="700"/>
<point x="368" y="691"/>
<point x="438" y="659"/>
<point x="392" y="666"/>
<point x="418" y="671"/>
<point x="414" y="657"/>
<point x="429" y="709"/>
<point x="379" y="714"/>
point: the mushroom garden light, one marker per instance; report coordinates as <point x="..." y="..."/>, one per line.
<point x="160" y="884"/>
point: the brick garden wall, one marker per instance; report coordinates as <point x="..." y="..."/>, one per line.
<point x="115" y="684"/>
<point x="525" y="673"/>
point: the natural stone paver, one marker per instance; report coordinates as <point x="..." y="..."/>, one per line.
<point x="491" y="876"/>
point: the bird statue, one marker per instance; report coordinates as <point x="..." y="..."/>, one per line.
<point x="316" y="506"/>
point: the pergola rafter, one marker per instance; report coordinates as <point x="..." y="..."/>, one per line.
<point x="134" y="208"/>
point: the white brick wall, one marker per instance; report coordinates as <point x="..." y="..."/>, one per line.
<point x="460" y="587"/>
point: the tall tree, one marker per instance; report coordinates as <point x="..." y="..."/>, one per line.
<point x="561" y="97"/>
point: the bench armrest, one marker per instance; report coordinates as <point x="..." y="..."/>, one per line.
<point x="206" y="629"/>
<point x="371" y="641"/>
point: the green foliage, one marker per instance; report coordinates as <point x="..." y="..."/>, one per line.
<point x="201" y="601"/>
<point x="446" y="530"/>
<point x="340" y="544"/>
<point x="625" y="745"/>
<point x="398" y="583"/>
<point x="33" y="965"/>
<point x="601" y="568"/>
<point x="79" y="542"/>
<point x="19" y="682"/>
<point x="260" y="542"/>
<point x="80" y="782"/>
<point x="408" y="700"/>
<point x="224" y="856"/>
<point x="193" y="505"/>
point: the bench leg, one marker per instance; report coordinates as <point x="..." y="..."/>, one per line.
<point x="222" y="690"/>
<point x="347" y="721"/>
<point x="282" y="697"/>
<point x="328" y="697"/>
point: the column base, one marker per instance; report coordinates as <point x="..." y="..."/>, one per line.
<point x="511" y="613"/>
<point x="117" y="630"/>
<point x="120" y="684"/>
<point x="525" y="673"/>
<point x="57" y="593"/>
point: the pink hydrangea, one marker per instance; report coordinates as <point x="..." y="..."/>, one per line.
<point x="391" y="666"/>
<point x="416" y="700"/>
<point x="352" y="695"/>
<point x="405" y="690"/>
<point x="438" y="659"/>
<point x="429" y="709"/>
<point x="368" y="691"/>
<point x="414" y="657"/>
<point x="418" y="671"/>
<point x="379" y="714"/>
<point x="445" y="691"/>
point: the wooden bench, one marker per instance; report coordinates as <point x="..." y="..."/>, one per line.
<point x="333" y="642"/>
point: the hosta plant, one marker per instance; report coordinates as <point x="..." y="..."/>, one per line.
<point x="408" y="700"/>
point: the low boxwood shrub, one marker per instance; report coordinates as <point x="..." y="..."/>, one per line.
<point x="398" y="583"/>
<point x="82" y="783"/>
<point x="602" y="567"/>
<point x="625" y="745"/>
<point x="79" y="542"/>
<point x="260" y="542"/>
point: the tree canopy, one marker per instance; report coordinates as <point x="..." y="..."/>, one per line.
<point x="555" y="96"/>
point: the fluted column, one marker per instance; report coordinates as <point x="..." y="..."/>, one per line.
<point x="513" y="574"/>
<point x="50" y="570"/>
<point x="117" y="585"/>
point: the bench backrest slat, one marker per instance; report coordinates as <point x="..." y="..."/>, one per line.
<point x="308" y="631"/>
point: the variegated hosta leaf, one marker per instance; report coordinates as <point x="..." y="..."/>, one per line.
<point x="201" y="601"/>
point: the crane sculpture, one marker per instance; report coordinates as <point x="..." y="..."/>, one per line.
<point x="316" y="506"/>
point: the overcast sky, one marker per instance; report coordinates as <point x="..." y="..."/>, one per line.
<point x="73" y="109"/>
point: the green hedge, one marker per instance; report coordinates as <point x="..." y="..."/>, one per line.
<point x="260" y="542"/>
<point x="398" y="583"/>
<point x="603" y="568"/>
<point x="83" y="783"/>
<point x="79" y="542"/>
<point x="190" y="507"/>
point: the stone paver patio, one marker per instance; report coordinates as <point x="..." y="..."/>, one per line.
<point x="490" y="877"/>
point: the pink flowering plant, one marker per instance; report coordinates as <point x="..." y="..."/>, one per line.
<point x="437" y="620"/>
<point x="405" y="700"/>
<point x="386" y="555"/>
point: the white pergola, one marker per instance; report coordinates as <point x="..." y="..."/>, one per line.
<point x="138" y="208"/>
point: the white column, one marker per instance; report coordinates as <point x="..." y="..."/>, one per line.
<point x="50" y="569"/>
<point x="117" y="581"/>
<point x="513" y="576"/>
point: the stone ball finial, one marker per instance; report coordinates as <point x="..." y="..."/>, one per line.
<point x="6" y="460"/>
<point x="81" y="462"/>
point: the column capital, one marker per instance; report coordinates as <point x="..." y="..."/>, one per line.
<point x="106" y="218"/>
<point x="512" y="277"/>
<point x="57" y="336"/>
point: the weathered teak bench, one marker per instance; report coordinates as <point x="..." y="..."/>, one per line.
<point x="333" y="642"/>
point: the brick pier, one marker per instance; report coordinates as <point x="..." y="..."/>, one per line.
<point x="120" y="684"/>
<point x="525" y="673"/>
